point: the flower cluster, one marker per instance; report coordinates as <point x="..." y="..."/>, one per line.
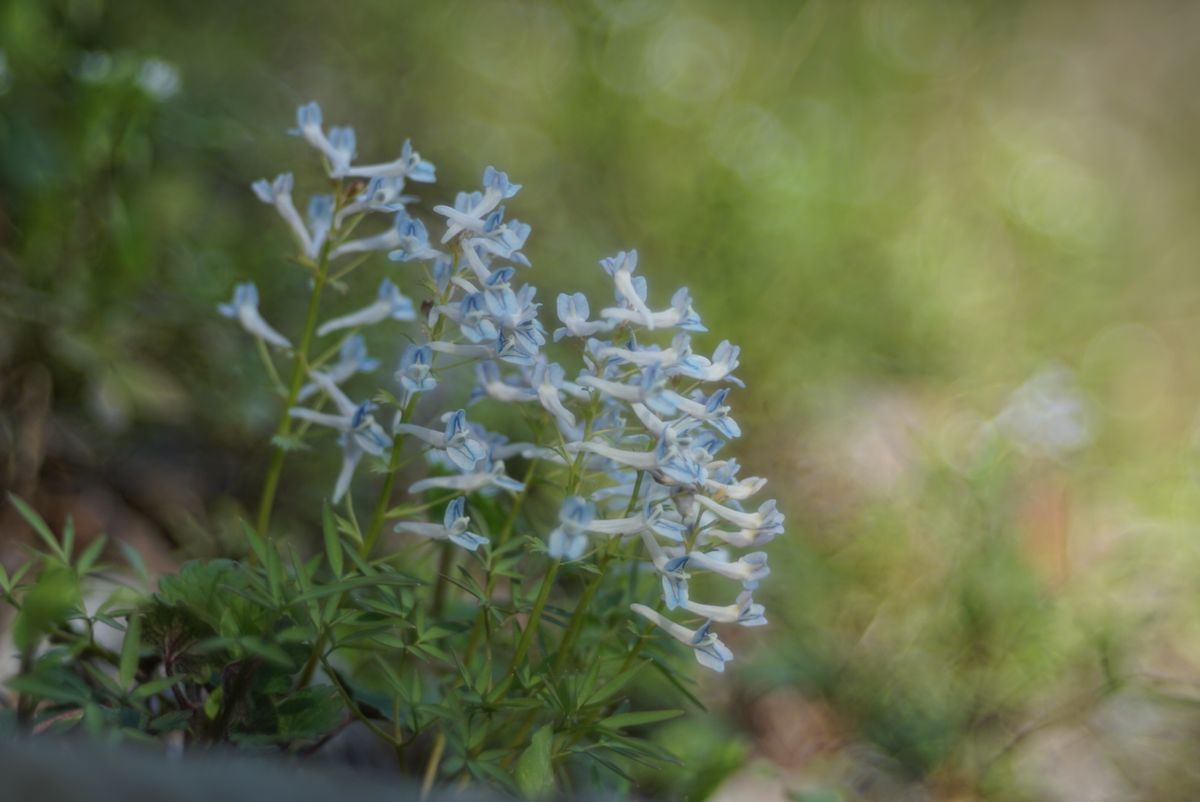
<point x="627" y="419"/>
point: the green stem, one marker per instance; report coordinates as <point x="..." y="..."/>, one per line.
<point x="375" y="528"/>
<point x="535" y="616"/>
<point x="310" y="665"/>
<point x="501" y="539"/>
<point x="357" y="712"/>
<point x="299" y="371"/>
<point x="577" y="618"/>
<point x="431" y="768"/>
<point x="581" y="608"/>
<point x="445" y="566"/>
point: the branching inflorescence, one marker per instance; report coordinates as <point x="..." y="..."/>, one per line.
<point x="629" y="435"/>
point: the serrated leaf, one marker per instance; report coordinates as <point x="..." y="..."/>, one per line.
<point x="534" y="773"/>
<point x="309" y="713"/>
<point x="288" y="443"/>
<point x="638" y="719"/>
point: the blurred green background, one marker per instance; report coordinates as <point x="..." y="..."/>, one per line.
<point x="956" y="241"/>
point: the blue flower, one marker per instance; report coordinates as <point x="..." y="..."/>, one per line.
<point x="410" y="165"/>
<point x="360" y="434"/>
<point x="278" y="193"/>
<point x="453" y="528"/>
<point x="744" y="611"/>
<point x="412" y="241"/>
<point x="485" y="479"/>
<point x="569" y="540"/>
<point x="766" y="519"/>
<point x="489" y="383"/>
<point x="749" y="569"/>
<point x="343" y="142"/>
<point x="244" y="309"/>
<point x="320" y="220"/>
<point x="573" y="311"/>
<point x="679" y="315"/>
<point x="719" y="368"/>
<point x="415" y="373"/>
<point x="352" y="359"/>
<point x="388" y="304"/>
<point x="471" y="210"/>
<point x="621" y="268"/>
<point x="406" y="238"/>
<point x="381" y="194"/>
<point x="709" y="650"/>
<point x="712" y="411"/>
<point x="337" y="148"/>
<point x="547" y="380"/>
<point x="463" y="449"/>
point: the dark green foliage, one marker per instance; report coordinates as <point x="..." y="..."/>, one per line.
<point x="284" y="652"/>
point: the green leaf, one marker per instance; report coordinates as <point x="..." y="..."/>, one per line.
<point x="154" y="687"/>
<point x="266" y="556"/>
<point x="175" y="720"/>
<point x="349" y="527"/>
<point x="815" y="795"/>
<point x="58" y="686"/>
<point x="638" y="719"/>
<point x="267" y="651"/>
<point x="130" y="652"/>
<point x="39" y="526"/>
<point x="68" y="537"/>
<point x="309" y="713"/>
<point x="535" y="768"/>
<point x="333" y="543"/>
<point x="87" y="560"/>
<point x="670" y="677"/>
<point x="614" y="685"/>
<point x="134" y="558"/>
<point x="51" y="600"/>
<point x="288" y="443"/>
<point x="212" y="705"/>
<point x="353" y="583"/>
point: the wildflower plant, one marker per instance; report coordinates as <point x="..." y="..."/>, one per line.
<point x="486" y="596"/>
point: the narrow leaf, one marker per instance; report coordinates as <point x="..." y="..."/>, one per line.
<point x="36" y="521"/>
<point x="130" y="651"/>
<point x="638" y="719"/>
<point x="333" y="543"/>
